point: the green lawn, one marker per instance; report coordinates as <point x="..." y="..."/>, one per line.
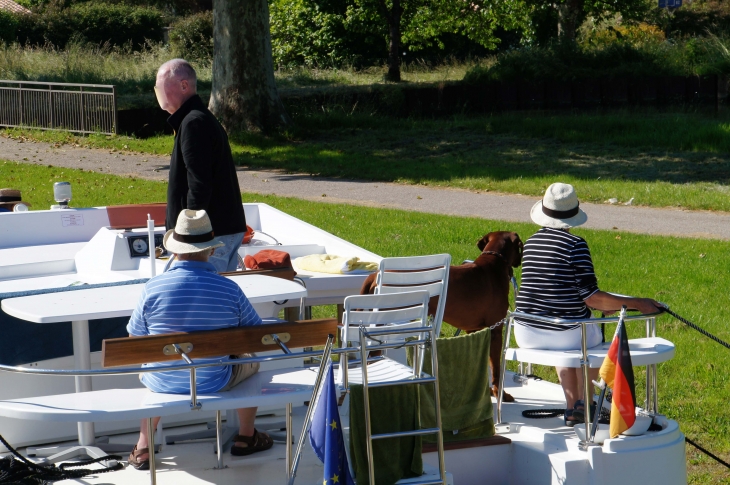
<point x="689" y="274"/>
<point x="660" y="160"/>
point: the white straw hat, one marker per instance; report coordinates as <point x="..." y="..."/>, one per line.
<point x="10" y="197"/>
<point x="193" y="233"/>
<point x="559" y="208"/>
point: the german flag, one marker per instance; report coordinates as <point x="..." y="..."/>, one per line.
<point x="618" y="374"/>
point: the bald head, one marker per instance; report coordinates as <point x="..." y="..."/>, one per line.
<point x="176" y="83"/>
<point x="179" y="69"/>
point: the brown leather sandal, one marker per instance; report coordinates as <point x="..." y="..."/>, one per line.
<point x="257" y="442"/>
<point x="136" y="462"/>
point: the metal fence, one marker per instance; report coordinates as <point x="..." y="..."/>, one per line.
<point x="81" y="108"/>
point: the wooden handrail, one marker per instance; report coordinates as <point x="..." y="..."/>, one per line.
<point x="211" y="343"/>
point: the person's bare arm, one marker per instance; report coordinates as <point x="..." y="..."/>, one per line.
<point x="609" y="303"/>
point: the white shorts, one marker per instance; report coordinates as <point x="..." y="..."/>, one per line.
<point x="540" y="338"/>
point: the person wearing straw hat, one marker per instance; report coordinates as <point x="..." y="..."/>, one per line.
<point x="558" y="281"/>
<point x="11" y="201"/>
<point x="190" y="297"/>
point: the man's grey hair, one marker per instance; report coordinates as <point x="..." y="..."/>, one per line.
<point x="179" y="69"/>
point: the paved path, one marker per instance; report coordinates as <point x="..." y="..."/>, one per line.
<point x="409" y="197"/>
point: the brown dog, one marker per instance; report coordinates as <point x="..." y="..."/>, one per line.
<point x="478" y="293"/>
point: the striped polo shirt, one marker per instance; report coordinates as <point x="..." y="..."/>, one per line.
<point x="190" y="297"/>
<point x="557" y="276"/>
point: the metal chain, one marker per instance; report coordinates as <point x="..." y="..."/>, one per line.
<point x="501" y="322"/>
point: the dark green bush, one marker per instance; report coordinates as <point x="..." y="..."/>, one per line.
<point x="696" y="23"/>
<point x="8" y="26"/>
<point x="192" y="37"/>
<point x="568" y="61"/>
<point x="98" y="23"/>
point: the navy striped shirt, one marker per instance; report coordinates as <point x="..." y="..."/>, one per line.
<point x="557" y="276"/>
<point x="190" y="297"/>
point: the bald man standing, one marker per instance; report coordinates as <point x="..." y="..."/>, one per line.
<point x="202" y="172"/>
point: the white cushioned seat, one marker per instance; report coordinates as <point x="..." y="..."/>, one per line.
<point x="644" y="351"/>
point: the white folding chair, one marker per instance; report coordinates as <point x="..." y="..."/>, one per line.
<point x="429" y="273"/>
<point x="405" y="310"/>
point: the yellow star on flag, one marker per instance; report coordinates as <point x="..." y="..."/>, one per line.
<point x="335" y="479"/>
<point x="324" y="482"/>
<point x="334" y="426"/>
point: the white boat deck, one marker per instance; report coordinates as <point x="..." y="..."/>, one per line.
<point x="195" y="463"/>
<point x="541" y="452"/>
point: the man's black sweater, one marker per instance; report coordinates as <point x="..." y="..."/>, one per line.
<point x="202" y="172"/>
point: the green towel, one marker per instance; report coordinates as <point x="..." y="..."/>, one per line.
<point x="393" y="408"/>
<point x="466" y="399"/>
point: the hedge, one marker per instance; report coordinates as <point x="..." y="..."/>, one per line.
<point x="191" y="37"/>
<point x="99" y="23"/>
<point x="565" y="62"/>
<point x="8" y="26"/>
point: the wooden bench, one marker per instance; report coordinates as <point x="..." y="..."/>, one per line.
<point x="280" y="387"/>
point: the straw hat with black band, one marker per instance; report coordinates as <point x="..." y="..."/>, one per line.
<point x="193" y="233"/>
<point x="10" y="197"/>
<point x="559" y="208"/>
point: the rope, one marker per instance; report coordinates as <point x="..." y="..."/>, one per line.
<point x="21" y="471"/>
<point x="544" y="413"/>
<point x="695" y="327"/>
<point x="716" y="458"/>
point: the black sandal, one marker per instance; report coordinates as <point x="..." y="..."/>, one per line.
<point x="570" y="419"/>
<point x="136" y="462"/>
<point x="254" y="444"/>
<point x="579" y="410"/>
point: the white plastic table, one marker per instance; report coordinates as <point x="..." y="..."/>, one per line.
<point x="80" y="306"/>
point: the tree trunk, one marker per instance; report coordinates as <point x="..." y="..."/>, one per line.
<point x="244" y="94"/>
<point x="569" y="13"/>
<point x="394" y="49"/>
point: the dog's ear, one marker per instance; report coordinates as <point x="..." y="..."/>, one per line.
<point x="482" y="243"/>
<point x="519" y="247"/>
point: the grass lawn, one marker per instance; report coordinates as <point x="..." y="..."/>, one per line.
<point x="690" y="275"/>
<point x="661" y="160"/>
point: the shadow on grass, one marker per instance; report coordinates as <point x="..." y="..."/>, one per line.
<point x="494" y="149"/>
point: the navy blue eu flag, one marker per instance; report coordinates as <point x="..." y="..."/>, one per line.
<point x="326" y="437"/>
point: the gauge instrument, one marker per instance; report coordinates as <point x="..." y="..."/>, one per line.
<point x="139" y="245"/>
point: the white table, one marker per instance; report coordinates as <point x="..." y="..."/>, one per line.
<point x="80" y="306"/>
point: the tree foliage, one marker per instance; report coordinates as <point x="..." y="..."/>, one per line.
<point x="98" y="23"/>
<point x="550" y="19"/>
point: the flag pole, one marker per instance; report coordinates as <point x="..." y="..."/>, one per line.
<point x="602" y="386"/>
<point x="587" y="391"/>
<point x="323" y="369"/>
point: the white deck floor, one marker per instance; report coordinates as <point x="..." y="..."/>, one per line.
<point x="542" y="451"/>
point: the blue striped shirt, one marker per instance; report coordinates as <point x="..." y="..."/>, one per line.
<point x="190" y="297"/>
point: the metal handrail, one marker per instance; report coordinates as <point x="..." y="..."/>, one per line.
<point x="651" y="375"/>
<point x="41" y="83"/>
<point x="75" y="107"/>
<point x="574" y="321"/>
<point x="138" y="370"/>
